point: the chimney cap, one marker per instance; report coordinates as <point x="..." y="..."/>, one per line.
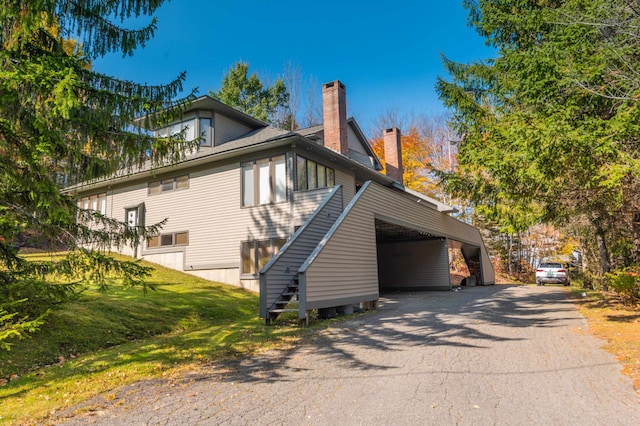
<point x="332" y="83"/>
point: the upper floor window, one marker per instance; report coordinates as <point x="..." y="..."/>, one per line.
<point x="188" y="127"/>
<point x="205" y="132"/>
<point x="264" y="181"/>
<point x="96" y="203"/>
<point x="312" y="175"/>
<point x="192" y="128"/>
<point x="169" y="184"/>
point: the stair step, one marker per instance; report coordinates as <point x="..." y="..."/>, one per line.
<point x="282" y="310"/>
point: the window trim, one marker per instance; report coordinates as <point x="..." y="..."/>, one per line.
<point x="275" y="245"/>
<point x="308" y="165"/>
<point x="159" y="184"/>
<point x="87" y="203"/>
<point x="207" y="134"/>
<point x="173" y="235"/>
<point x="251" y="169"/>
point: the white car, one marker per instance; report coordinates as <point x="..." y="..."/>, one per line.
<point x="552" y="272"/>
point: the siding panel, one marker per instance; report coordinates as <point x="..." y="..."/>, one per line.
<point x="209" y="209"/>
<point x="226" y="129"/>
<point x="419" y="264"/>
<point x="344" y="266"/>
<point x="348" y="182"/>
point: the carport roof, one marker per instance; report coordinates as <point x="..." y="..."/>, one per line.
<point x="389" y="232"/>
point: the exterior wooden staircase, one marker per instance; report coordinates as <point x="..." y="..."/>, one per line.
<point x="286" y="302"/>
<point x="280" y="288"/>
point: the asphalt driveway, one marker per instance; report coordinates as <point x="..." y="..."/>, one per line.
<point x="500" y="355"/>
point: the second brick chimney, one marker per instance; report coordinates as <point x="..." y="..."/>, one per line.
<point x="393" y="154"/>
<point x="334" y="115"/>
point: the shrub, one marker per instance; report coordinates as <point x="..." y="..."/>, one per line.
<point x="626" y="282"/>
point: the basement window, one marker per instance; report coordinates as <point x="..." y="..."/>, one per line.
<point x="257" y="253"/>
<point x="171" y="239"/>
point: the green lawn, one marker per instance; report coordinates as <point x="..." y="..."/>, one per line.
<point x="105" y="340"/>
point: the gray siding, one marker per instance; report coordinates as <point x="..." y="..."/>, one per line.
<point x="118" y="199"/>
<point x="210" y="210"/>
<point x="227" y="129"/>
<point x="283" y="267"/>
<point x="344" y="266"/>
<point x="306" y="202"/>
<point x="357" y="152"/>
<point x="361" y="158"/>
<point x="348" y="182"/>
<point x="419" y="264"/>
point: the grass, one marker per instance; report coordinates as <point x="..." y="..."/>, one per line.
<point x="105" y="340"/>
<point x="615" y="323"/>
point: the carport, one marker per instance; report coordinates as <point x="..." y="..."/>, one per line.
<point x="384" y="239"/>
<point x="412" y="259"/>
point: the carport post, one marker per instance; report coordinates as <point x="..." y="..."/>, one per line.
<point x="302" y="297"/>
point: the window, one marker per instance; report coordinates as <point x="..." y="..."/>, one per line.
<point x="311" y="175"/>
<point x="264" y="181"/>
<point x="169" y="184"/>
<point x="96" y="203"/>
<point x="205" y="132"/>
<point x="256" y="254"/>
<point x="168" y="240"/>
<point x="188" y="128"/>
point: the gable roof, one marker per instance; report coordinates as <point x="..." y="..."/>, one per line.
<point x="314" y="133"/>
<point x="206" y="102"/>
<point x="262" y="137"/>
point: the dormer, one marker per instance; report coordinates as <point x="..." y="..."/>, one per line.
<point x="216" y="122"/>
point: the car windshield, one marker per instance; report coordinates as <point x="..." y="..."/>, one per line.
<point x="551" y="265"/>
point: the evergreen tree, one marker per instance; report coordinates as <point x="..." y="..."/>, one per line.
<point x="247" y="93"/>
<point x="60" y="123"/>
<point x="539" y="143"/>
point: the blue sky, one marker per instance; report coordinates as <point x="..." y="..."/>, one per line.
<point x="386" y="53"/>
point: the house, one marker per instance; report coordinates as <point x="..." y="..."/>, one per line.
<point x="304" y="215"/>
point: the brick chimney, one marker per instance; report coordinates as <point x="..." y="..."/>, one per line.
<point x="334" y="115"/>
<point x="393" y="154"/>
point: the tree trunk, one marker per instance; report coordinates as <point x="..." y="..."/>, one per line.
<point x="510" y="255"/>
<point x="604" y="254"/>
<point x="635" y="235"/>
<point x="584" y="263"/>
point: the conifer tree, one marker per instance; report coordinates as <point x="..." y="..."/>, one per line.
<point x="550" y="124"/>
<point x="62" y="123"/>
<point x="247" y="93"/>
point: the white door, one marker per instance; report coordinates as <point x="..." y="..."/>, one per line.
<point x="132" y="218"/>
